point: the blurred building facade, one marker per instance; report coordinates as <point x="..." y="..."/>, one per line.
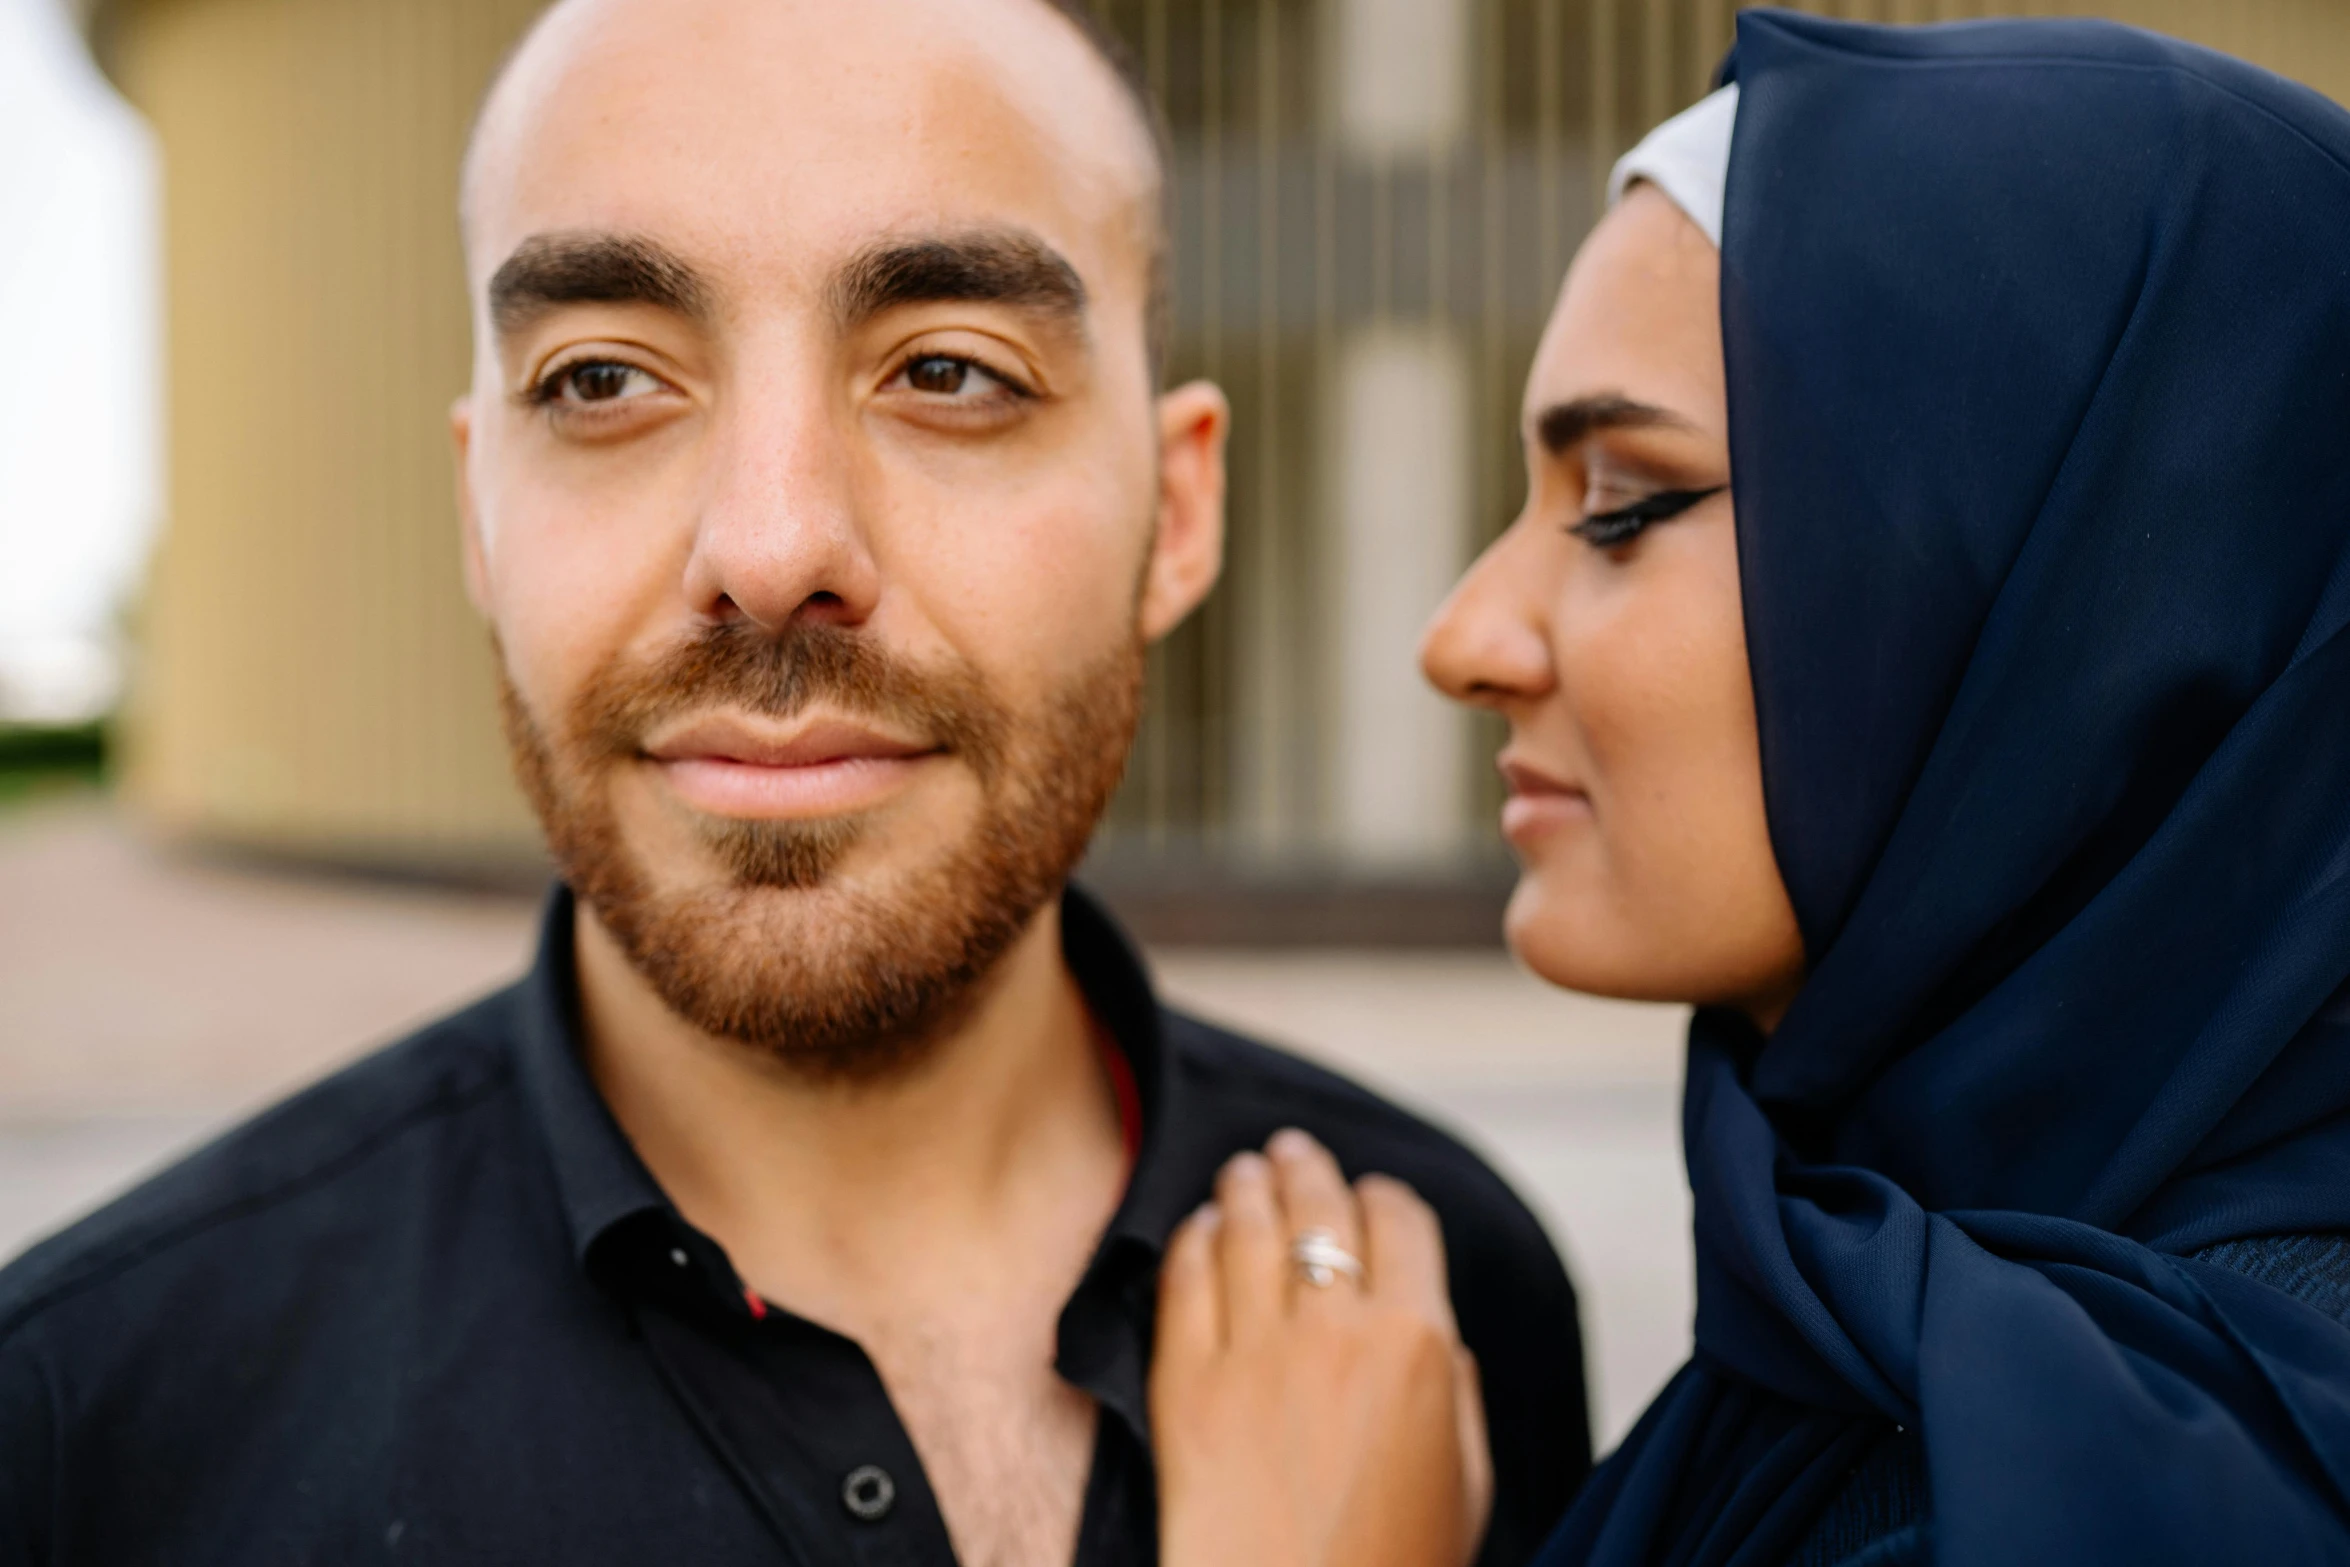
<point x="1373" y="202"/>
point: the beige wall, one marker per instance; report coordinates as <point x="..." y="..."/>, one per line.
<point x="312" y="679"/>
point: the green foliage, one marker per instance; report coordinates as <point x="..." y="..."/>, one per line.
<point x="37" y="760"/>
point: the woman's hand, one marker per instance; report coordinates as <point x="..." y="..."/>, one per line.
<point x="1300" y="1424"/>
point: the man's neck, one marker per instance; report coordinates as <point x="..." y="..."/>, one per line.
<point x="939" y="1218"/>
<point x="998" y="1151"/>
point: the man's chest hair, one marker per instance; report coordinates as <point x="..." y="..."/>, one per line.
<point x="1006" y="1444"/>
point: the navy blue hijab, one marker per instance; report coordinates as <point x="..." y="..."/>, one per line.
<point x="2038" y="342"/>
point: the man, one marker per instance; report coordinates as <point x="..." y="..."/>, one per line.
<point x="805" y="1201"/>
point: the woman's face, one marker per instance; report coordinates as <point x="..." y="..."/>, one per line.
<point x="1605" y="626"/>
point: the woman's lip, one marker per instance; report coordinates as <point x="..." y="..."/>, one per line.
<point x="1525" y="817"/>
<point x="1538" y="802"/>
<point x="1533" y="782"/>
<point x="759" y="791"/>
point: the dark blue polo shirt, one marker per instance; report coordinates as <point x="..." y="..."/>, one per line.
<point x="434" y="1309"/>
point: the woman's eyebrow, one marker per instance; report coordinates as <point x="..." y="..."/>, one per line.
<point x="1562" y="426"/>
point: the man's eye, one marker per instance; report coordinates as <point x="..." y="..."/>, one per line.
<point x="939" y="375"/>
<point x="595" y="381"/>
<point x="945" y="375"/>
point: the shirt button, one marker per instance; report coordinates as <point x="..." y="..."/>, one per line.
<point x="867" y="1493"/>
<point x="678" y="1256"/>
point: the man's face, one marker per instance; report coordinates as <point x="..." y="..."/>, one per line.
<point x="816" y="489"/>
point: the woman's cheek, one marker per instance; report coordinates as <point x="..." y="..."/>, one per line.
<point x="1668" y="715"/>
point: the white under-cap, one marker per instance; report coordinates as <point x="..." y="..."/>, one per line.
<point x="1688" y="158"/>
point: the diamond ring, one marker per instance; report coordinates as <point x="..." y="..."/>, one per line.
<point x="1320" y="1259"/>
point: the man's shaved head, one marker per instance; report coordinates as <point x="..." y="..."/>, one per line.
<point x="1111" y="63"/>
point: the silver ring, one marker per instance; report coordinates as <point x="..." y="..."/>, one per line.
<point x="1320" y="1259"/>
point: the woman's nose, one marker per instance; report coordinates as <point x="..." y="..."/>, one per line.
<point x="1488" y="645"/>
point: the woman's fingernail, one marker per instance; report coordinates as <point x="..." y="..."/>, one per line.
<point x="1289" y="1143"/>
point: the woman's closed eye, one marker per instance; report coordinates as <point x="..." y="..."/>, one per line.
<point x="1607" y="529"/>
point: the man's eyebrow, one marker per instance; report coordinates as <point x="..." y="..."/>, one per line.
<point x="990" y="266"/>
<point x="547" y="271"/>
<point x="1562" y="426"/>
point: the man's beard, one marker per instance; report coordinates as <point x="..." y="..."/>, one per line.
<point x="836" y="982"/>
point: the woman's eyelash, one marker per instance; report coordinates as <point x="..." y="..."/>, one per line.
<point x="1622" y="525"/>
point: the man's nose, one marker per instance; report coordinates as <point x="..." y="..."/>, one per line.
<point x="781" y="536"/>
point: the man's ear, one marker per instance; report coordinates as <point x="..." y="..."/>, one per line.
<point x="1188" y="554"/>
<point x="477" y="570"/>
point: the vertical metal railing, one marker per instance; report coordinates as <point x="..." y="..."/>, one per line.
<point x="1294" y="241"/>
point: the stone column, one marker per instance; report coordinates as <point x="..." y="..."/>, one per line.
<point x="1399" y="482"/>
<point x="310" y="679"/>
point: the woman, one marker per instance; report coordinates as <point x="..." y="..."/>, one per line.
<point x="1986" y="783"/>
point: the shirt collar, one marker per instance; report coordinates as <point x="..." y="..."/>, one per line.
<point x="1104" y="1337"/>
<point x="615" y="1209"/>
<point x="1163" y="1186"/>
<point x="599" y="1179"/>
<point x="602" y="1182"/>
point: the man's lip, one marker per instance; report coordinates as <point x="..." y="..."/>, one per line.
<point x="815" y="744"/>
<point x="730" y="766"/>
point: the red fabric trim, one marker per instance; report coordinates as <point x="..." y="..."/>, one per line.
<point x="752" y="1300"/>
<point x="1123" y="1089"/>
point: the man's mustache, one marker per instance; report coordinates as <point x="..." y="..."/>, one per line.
<point x="743" y="667"/>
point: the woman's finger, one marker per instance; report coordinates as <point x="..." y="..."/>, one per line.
<point x="1404" y="1249"/>
<point x="1314" y="1196"/>
<point x="1476" y="1449"/>
<point x="1191" y="1301"/>
<point x="1251" y="1251"/>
